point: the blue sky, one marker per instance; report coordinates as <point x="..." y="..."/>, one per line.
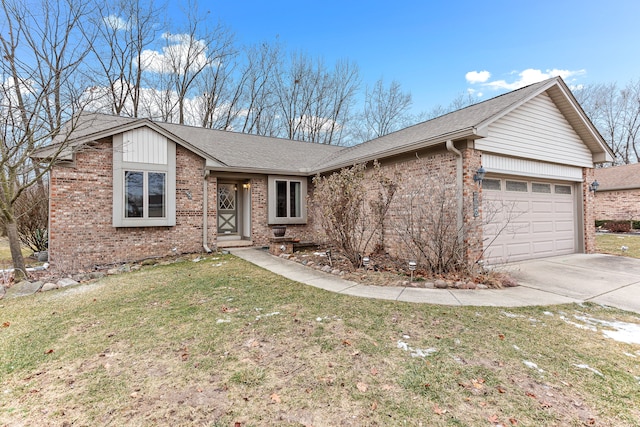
<point x="430" y="46"/>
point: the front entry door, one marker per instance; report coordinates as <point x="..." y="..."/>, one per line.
<point x="227" y="208"/>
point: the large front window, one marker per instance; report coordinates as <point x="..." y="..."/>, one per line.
<point x="145" y="194"/>
<point x="286" y="200"/>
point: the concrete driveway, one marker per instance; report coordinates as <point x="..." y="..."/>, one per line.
<point x="603" y="279"/>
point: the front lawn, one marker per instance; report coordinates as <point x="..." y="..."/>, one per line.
<point x="221" y="342"/>
<point x="619" y="244"/>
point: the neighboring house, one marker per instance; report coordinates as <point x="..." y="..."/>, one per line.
<point x="128" y="189"/>
<point x="618" y="195"/>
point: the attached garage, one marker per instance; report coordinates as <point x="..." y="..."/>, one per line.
<point x="529" y="218"/>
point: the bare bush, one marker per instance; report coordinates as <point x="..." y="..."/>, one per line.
<point x="426" y="221"/>
<point x="32" y="212"/>
<point x="352" y="206"/>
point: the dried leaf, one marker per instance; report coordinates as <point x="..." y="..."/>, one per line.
<point x="346" y="342"/>
<point x="501" y="336"/>
<point x="6" y="324"/>
<point x="374" y="406"/>
<point x="49" y="351"/>
<point x="513" y="421"/>
<point x="531" y="395"/>
<point x="275" y="398"/>
<point x="362" y="387"/>
<point x="374" y="371"/>
<point x="493" y="419"/>
<point x="501" y="390"/>
<point x="437" y="410"/>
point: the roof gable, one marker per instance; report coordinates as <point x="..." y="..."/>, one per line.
<point x="473" y="122"/>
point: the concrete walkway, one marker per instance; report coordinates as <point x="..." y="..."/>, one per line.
<point x="604" y="279"/>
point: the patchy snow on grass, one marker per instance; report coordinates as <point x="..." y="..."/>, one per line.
<point x="511" y="315"/>
<point x="579" y="325"/>
<point x="532" y="365"/>
<point x="260" y="316"/>
<point x="223" y="321"/>
<point x="585" y="366"/>
<point x="416" y="352"/>
<point x="619" y="331"/>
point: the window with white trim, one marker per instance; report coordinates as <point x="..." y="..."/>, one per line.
<point x="287" y="200"/>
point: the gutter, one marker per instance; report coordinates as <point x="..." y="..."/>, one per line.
<point x="459" y="183"/>
<point x="205" y="210"/>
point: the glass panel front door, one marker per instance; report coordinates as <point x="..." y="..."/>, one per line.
<point x="227" y="208"/>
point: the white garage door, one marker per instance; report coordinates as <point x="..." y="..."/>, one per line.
<point x="527" y="219"/>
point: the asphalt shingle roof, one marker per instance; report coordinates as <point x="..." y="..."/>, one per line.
<point x="618" y="177"/>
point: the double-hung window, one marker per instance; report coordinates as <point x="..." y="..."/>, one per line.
<point x="287" y="204"/>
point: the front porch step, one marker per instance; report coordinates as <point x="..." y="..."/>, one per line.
<point x="234" y="243"/>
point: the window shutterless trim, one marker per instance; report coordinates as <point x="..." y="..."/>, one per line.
<point x="294" y="202"/>
<point x="119" y="204"/>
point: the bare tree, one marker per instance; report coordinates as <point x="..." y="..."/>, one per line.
<point x="184" y="58"/>
<point x="257" y="96"/>
<point x="385" y="110"/>
<point x="42" y="49"/>
<point x="313" y="101"/>
<point x="124" y="29"/>
<point x="616" y="114"/>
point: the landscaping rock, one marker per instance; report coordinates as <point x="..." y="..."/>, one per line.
<point x="149" y="261"/>
<point x="63" y="283"/>
<point x="49" y="287"/>
<point x="23" y="288"/>
<point x="96" y="275"/>
<point x="471" y="285"/>
<point x="112" y="271"/>
<point x="481" y="286"/>
<point x="336" y="272"/>
<point x="326" y="269"/>
<point x="440" y="284"/>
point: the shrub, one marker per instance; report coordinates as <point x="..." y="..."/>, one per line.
<point x="32" y="216"/>
<point x="617" y="226"/>
<point x="352" y="207"/>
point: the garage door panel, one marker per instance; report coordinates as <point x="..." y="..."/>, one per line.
<point x="525" y="225"/>
<point x="564" y="226"/>
<point x="564" y="207"/>
<point x="542" y="226"/>
<point x="544" y="207"/>
<point x="565" y="245"/>
<point x="518" y="249"/>
<point x="541" y="247"/>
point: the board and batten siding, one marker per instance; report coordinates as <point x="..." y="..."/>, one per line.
<point x="144" y="146"/>
<point x="536" y="130"/>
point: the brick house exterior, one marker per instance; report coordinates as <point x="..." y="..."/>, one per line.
<point x="128" y="189"/>
<point x="618" y="195"/>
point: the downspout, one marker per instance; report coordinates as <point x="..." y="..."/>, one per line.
<point x="459" y="183"/>
<point x="205" y="211"/>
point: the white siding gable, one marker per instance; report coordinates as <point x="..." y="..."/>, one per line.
<point x="143" y="145"/>
<point x="536" y="130"/>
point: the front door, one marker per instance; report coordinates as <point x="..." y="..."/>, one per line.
<point x="227" y="208"/>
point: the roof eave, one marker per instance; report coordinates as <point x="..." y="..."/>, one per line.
<point x="471" y="132"/>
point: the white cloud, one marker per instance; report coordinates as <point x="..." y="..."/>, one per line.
<point x="116" y="23"/>
<point x="181" y="50"/>
<point x="477" y="76"/>
<point x="529" y="76"/>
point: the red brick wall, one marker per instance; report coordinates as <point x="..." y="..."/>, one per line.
<point x="620" y="205"/>
<point x="81" y="234"/>
<point x="473" y="238"/>
<point x="588" y="212"/>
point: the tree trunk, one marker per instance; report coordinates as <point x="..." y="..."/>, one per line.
<point x="20" y="271"/>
